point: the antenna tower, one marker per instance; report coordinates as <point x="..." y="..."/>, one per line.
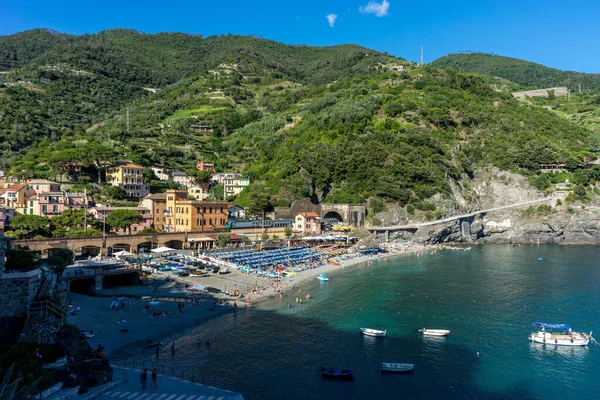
<point x="421" y="56"/>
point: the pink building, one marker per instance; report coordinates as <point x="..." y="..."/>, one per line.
<point x="101" y="212"/>
<point x="307" y="223"/>
<point x="48" y="204"/>
<point x="43" y="186"/>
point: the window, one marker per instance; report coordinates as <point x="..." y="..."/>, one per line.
<point x="210" y="210"/>
<point x="210" y="221"/>
<point x="135" y="228"/>
<point x="44" y="209"/>
<point x="204" y="210"/>
<point x="54" y="209"/>
<point x="171" y="198"/>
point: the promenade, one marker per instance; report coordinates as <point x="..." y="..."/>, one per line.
<point x="167" y="389"/>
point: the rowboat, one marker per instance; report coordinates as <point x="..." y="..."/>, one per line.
<point x="322" y="277"/>
<point x="372" y="332"/>
<point x="566" y="338"/>
<point x="396" y="367"/>
<point x="336" y="373"/>
<point x="434" y="332"/>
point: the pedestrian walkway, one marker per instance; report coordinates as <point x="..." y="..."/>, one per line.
<point x="167" y="389"/>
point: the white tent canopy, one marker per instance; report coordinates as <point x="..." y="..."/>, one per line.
<point x="162" y="249"/>
<point x="122" y="253"/>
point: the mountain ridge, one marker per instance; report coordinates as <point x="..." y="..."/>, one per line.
<point x="529" y="74"/>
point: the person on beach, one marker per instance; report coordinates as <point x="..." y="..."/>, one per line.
<point x="144" y="378"/>
<point x="207" y="342"/>
<point x="154" y="378"/>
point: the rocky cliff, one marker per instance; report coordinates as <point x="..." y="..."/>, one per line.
<point x="553" y="223"/>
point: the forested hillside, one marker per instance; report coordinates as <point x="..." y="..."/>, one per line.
<point x="337" y="124"/>
<point x="59" y="84"/>
<point x="525" y="73"/>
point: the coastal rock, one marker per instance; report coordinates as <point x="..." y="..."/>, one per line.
<point x="73" y="343"/>
<point x="92" y="373"/>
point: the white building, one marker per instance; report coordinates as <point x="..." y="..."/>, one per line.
<point x="234" y="186"/>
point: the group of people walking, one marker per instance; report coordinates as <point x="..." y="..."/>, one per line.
<point x="144" y="378"/>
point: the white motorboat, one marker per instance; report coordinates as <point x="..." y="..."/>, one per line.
<point x="565" y="338"/>
<point x="434" y="332"/>
<point x="396" y="367"/>
<point x="372" y="332"/>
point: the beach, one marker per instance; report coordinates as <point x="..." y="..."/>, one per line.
<point x="126" y="330"/>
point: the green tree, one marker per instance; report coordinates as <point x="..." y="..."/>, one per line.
<point x="21" y="258"/>
<point x="29" y="226"/>
<point x="259" y="201"/>
<point x="114" y="192"/>
<point x="223" y="240"/>
<point x="288" y="232"/>
<point x="73" y="220"/>
<point x="99" y="156"/>
<point x="217" y="192"/>
<point x="123" y="219"/>
<point x="60" y="260"/>
<point x="264" y="236"/>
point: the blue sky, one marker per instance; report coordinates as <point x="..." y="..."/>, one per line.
<point x="564" y="35"/>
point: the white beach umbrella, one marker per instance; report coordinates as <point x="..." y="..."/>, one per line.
<point x="122" y="253"/>
<point x="162" y="249"/>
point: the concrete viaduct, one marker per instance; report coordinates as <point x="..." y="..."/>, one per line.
<point x="94" y="245"/>
<point x="413" y="227"/>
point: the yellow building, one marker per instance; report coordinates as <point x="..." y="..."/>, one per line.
<point x="198" y="192"/>
<point x="183" y="215"/>
<point x="173" y="212"/>
<point x="156" y="202"/>
<point x="130" y="178"/>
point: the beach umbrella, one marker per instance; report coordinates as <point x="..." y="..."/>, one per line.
<point x="162" y="249"/>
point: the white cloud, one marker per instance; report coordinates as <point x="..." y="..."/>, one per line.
<point x="379" y="9"/>
<point x="331" y="19"/>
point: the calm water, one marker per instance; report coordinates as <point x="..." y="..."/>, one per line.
<point x="487" y="297"/>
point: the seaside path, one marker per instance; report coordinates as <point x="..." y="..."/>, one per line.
<point x="167" y="389"/>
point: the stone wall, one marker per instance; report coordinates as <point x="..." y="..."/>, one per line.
<point x="17" y="290"/>
<point x="3" y="242"/>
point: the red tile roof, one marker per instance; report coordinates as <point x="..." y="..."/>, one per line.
<point x="308" y="214"/>
<point x="129" y="165"/>
<point x="16" y="187"/>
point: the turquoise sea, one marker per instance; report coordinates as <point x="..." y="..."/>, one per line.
<point x="487" y="297"/>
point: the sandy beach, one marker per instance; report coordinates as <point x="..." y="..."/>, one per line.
<point x="119" y="337"/>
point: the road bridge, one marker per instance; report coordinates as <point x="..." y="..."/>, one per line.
<point x="414" y="227"/>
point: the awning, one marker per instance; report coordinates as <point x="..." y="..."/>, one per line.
<point x="551" y="326"/>
<point x="204" y="239"/>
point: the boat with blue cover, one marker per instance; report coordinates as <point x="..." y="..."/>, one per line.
<point x="336" y="373"/>
<point x="566" y="336"/>
<point x="322" y="277"/>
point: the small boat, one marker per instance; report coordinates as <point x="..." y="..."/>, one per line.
<point x="336" y="373"/>
<point x="199" y="273"/>
<point x="165" y="268"/>
<point x="372" y="332"/>
<point x="183" y="274"/>
<point x="225" y="271"/>
<point x="434" y="332"/>
<point x="566" y="338"/>
<point x="89" y="334"/>
<point x="322" y="277"/>
<point x="396" y="367"/>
